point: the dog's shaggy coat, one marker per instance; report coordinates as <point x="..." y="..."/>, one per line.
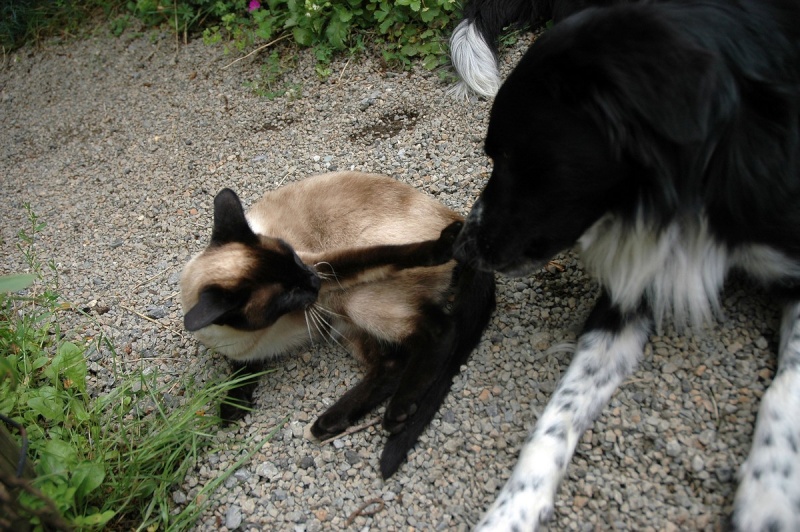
<point x="664" y="138"/>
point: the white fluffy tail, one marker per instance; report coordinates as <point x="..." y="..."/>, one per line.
<point x="474" y="61"/>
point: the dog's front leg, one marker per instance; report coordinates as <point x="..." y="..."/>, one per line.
<point x="768" y="497"/>
<point x="607" y="352"/>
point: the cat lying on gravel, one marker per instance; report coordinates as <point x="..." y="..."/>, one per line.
<point x="359" y="259"/>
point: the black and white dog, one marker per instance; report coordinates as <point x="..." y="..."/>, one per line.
<point x="663" y="138"/>
<point x="473" y="44"/>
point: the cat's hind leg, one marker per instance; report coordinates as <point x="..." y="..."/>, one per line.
<point x="240" y="398"/>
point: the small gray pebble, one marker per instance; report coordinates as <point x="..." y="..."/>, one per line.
<point x="155" y="312"/>
<point x="674" y="448"/>
<point x="448" y="429"/>
<point x="352" y="457"/>
<point x="267" y="470"/>
<point x="233" y="517"/>
<point x="242" y="474"/>
<point x="307" y="462"/>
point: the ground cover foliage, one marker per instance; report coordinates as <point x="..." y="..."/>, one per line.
<point x="82" y="458"/>
<point x="405" y="31"/>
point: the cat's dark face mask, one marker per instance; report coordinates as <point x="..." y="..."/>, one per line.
<point x="274" y="283"/>
<point x="279" y="283"/>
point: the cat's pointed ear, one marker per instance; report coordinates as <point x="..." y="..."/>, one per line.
<point x="211" y="305"/>
<point x="230" y="224"/>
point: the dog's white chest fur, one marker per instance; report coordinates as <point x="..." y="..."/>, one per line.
<point x="679" y="269"/>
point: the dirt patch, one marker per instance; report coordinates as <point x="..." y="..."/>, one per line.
<point x="388" y="125"/>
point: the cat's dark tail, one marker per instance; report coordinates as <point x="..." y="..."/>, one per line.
<point x="473" y="304"/>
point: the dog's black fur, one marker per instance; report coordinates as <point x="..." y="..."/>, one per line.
<point x="665" y="138"/>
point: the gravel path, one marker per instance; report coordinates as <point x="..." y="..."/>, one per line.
<point x="120" y="144"/>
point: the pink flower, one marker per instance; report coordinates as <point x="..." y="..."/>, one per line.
<point x="254" y="4"/>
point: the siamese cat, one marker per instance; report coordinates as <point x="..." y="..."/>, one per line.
<point x="359" y="259"/>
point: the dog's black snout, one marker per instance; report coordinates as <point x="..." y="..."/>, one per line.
<point x="464" y="247"/>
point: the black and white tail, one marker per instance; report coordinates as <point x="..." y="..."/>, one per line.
<point x="473" y="306"/>
<point x="473" y="45"/>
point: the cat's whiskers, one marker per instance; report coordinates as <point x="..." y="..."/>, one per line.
<point x="324" y="276"/>
<point x="328" y="311"/>
<point x="318" y="311"/>
<point x="322" y="326"/>
<point x="308" y="325"/>
<point x="328" y="275"/>
<point x="314" y="315"/>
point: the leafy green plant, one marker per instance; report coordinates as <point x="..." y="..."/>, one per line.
<point x="405" y="30"/>
<point x="102" y="462"/>
<point x="16" y="283"/>
<point x="268" y="84"/>
<point x="24" y="21"/>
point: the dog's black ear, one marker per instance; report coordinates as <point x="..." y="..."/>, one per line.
<point x="230" y="224"/>
<point x="211" y="305"/>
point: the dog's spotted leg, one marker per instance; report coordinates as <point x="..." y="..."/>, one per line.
<point x="768" y="498"/>
<point x="607" y="352"/>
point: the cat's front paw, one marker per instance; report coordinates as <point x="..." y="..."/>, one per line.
<point x="329" y="424"/>
<point x="443" y="248"/>
<point x="450" y="233"/>
<point x="396" y="416"/>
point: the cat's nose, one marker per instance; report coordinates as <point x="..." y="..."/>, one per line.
<point x="314" y="281"/>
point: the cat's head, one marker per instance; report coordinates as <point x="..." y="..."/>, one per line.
<point x="243" y="280"/>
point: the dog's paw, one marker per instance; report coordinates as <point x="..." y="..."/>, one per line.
<point x="521" y="505"/>
<point x="768" y="498"/>
<point x="528" y="498"/>
<point x="760" y="509"/>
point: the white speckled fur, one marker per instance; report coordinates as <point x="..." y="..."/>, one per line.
<point x="768" y="497"/>
<point x="602" y="361"/>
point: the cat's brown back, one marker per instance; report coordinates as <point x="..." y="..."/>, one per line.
<point x="348" y="209"/>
